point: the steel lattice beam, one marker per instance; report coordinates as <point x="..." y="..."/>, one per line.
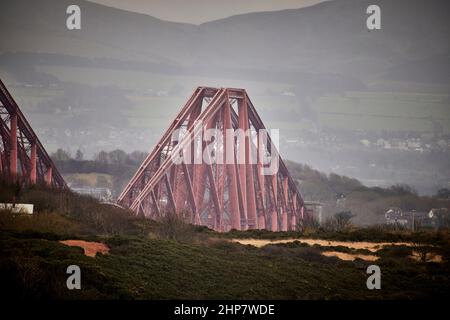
<point x="223" y="196"/>
<point x="22" y="156"/>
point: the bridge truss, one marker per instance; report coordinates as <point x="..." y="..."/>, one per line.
<point x="22" y="156"/>
<point x="222" y="195"/>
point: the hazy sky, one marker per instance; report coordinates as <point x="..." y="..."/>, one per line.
<point x="199" y="11"/>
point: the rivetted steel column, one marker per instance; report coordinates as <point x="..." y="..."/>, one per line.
<point x="294" y="215"/>
<point x="241" y="158"/>
<point x="13" y="151"/>
<point x="33" y="163"/>
<point x="48" y="178"/>
<point x="251" y="200"/>
<point x="274" y="204"/>
<point x="231" y="170"/>
<point x="261" y="180"/>
<point x="284" y="216"/>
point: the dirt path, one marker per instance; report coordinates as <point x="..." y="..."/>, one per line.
<point x="90" y="248"/>
<point x="371" y="246"/>
<point x="350" y="256"/>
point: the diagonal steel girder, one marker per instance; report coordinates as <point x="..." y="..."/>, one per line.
<point x="23" y="158"/>
<point x="220" y="195"/>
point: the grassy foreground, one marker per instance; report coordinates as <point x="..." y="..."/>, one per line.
<point x="167" y="260"/>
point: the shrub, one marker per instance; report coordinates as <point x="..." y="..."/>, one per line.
<point x="59" y="211"/>
<point x="172" y="227"/>
<point x="308" y="226"/>
<point x="339" y="222"/>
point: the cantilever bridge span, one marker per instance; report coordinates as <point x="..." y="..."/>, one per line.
<point x="222" y="195"/>
<point x="22" y="156"/>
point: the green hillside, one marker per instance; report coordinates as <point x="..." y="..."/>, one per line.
<point x="169" y="259"/>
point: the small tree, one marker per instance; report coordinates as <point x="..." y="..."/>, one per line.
<point x="443" y="193"/>
<point x="79" y="155"/>
<point x="342" y="220"/>
<point x="61" y="155"/>
<point x="339" y="222"/>
<point x="173" y="227"/>
<point x="117" y="157"/>
<point x="102" y="157"/>
<point x="309" y="225"/>
<point x="422" y="252"/>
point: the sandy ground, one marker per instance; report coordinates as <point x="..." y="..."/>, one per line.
<point x="430" y="257"/>
<point x="90" y="248"/>
<point x="350" y="256"/>
<point x="371" y="246"/>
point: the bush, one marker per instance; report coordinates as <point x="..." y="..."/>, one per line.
<point x="44" y="222"/>
<point x="172" y="227"/>
<point x="339" y="222"/>
<point x="61" y="210"/>
<point x="308" y="226"/>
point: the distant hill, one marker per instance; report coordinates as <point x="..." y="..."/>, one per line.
<point x="314" y="72"/>
<point x="329" y="37"/>
<point x="434" y="69"/>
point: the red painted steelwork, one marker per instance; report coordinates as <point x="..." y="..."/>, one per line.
<point x="22" y="156"/>
<point x="222" y="195"/>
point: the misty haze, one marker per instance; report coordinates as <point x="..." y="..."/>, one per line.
<point x="369" y="105"/>
<point x="106" y="106"/>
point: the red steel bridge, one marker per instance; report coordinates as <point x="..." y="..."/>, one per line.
<point x="22" y="156"/>
<point x="222" y="195"/>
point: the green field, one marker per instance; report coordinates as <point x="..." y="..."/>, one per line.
<point x="139" y="268"/>
<point x="392" y="111"/>
<point x="170" y="259"/>
<point x="127" y="79"/>
<point x="153" y="104"/>
<point x="90" y="179"/>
